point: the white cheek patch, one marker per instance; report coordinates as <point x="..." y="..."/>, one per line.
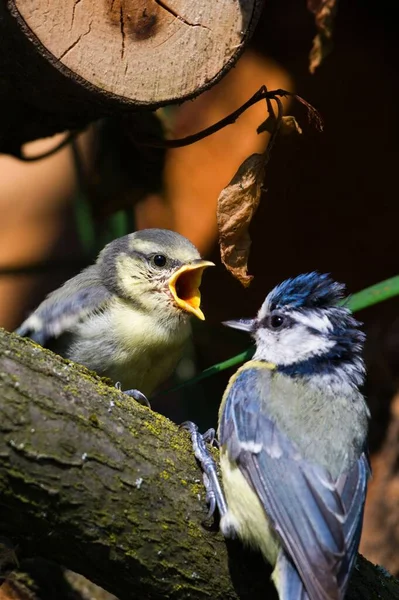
<point x="313" y="320"/>
<point x="264" y="309"/>
<point x="291" y="345"/>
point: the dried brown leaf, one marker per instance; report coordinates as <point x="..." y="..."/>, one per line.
<point x="324" y="11"/>
<point x="289" y="125"/>
<point x="237" y="205"/>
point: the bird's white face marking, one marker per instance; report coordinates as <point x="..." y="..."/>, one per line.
<point x="305" y="336"/>
<point x="291" y="345"/>
<point x="320" y="322"/>
<point x="287" y="335"/>
<point x="311" y="318"/>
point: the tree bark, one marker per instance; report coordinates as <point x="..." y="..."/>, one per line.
<point x="64" y="64"/>
<point x="95" y="482"/>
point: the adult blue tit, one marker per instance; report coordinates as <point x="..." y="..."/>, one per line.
<point x="127" y="317"/>
<point x="292" y="434"/>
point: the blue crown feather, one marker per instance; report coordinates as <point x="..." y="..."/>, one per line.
<point x="309" y="290"/>
<point x="321" y="294"/>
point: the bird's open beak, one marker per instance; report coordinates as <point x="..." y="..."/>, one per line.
<point x="184" y="286"/>
<point x="243" y="324"/>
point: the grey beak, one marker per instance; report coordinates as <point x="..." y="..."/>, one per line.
<point x="243" y="324"/>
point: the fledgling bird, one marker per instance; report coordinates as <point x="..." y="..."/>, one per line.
<point x="292" y="434"/>
<point x="127" y="317"/>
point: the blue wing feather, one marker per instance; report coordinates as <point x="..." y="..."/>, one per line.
<point x="318" y="519"/>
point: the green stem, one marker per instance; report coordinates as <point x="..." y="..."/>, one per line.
<point x="222" y="366"/>
<point x="374" y="294"/>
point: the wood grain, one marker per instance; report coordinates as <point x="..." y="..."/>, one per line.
<point x="145" y="51"/>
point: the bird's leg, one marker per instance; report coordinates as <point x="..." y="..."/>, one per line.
<point x="136" y="394"/>
<point x="214" y="494"/>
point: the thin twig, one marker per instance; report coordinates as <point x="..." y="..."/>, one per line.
<point x="67" y="140"/>
<point x="261" y="94"/>
<point x="277" y="124"/>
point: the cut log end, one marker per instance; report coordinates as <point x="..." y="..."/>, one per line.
<point x="144" y="52"/>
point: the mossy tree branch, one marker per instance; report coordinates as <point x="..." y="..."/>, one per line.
<point x="95" y="482"/>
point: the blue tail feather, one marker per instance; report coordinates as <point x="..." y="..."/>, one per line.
<point x="287" y="580"/>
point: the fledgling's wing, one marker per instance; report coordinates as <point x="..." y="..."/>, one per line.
<point x="317" y="519"/>
<point x="66" y="306"/>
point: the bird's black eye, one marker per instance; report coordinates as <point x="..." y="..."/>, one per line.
<point x="276" y="321"/>
<point x="159" y="260"/>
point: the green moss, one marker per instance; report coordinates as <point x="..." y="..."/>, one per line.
<point x="94" y="420"/>
<point x="71" y="389"/>
<point x="133" y="517"/>
<point x="183" y="481"/>
<point x="133" y="432"/>
<point x="170" y="464"/>
<point x="13" y="377"/>
<point x="164" y="475"/>
<point x="153" y="428"/>
<point x="112" y="538"/>
<point x="132" y="554"/>
<point x="193" y="530"/>
<point x="196" y="489"/>
<point x="178" y="444"/>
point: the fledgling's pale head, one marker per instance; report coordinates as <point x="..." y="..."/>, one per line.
<point x="302" y="329"/>
<point x="156" y="269"/>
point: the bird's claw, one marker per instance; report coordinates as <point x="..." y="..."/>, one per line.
<point x="135" y="394"/>
<point x="210" y="437"/>
<point x="214" y="494"/>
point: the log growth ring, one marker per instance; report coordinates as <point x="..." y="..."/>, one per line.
<point x="144" y="52"/>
